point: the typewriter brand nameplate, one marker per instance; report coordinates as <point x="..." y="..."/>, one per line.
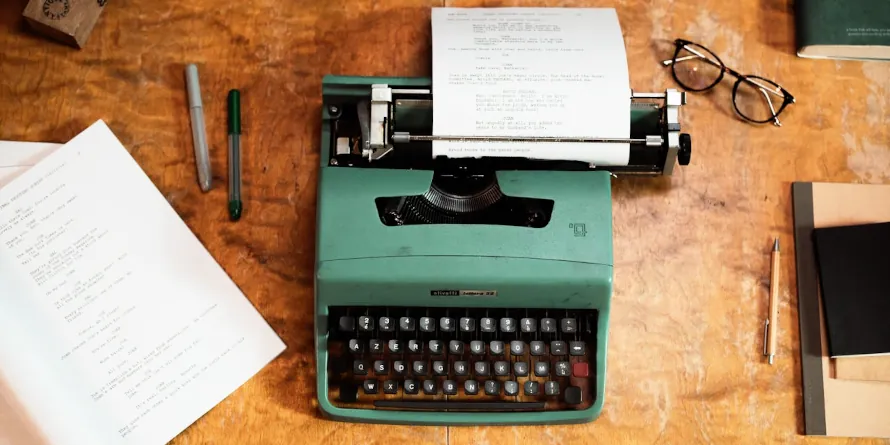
<point x="463" y="293"/>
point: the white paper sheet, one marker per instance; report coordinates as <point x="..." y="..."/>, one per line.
<point x="530" y="72"/>
<point x="17" y="157"/>
<point x="116" y="324"/>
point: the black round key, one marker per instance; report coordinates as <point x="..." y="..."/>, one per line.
<point x="390" y="387"/>
<point x="569" y="326"/>
<point x="576" y="347"/>
<point x="355" y="346"/>
<point x="359" y="367"/>
<point x="381" y="367"/>
<point x="415" y="346"/>
<point x="449" y="387"/>
<point x="487" y="325"/>
<point x="456" y="347"/>
<point x="471" y="387"/>
<point x="399" y="367"/>
<point x="563" y="369"/>
<point x="347" y="324"/>
<point x="410" y="387"/>
<point x="496" y="347"/>
<point x="427" y="324"/>
<point x="461" y="368"/>
<point x="520" y="369"/>
<point x="548" y="325"/>
<point x="395" y="346"/>
<point x="551" y="388"/>
<point x="436" y="347"/>
<point x="508" y="325"/>
<point x="573" y="395"/>
<point x="429" y="387"/>
<point x="376" y="346"/>
<point x="492" y="387"/>
<point x="481" y="368"/>
<point x="440" y="367"/>
<point x="528" y="325"/>
<point x="419" y="368"/>
<point x="511" y="388"/>
<point x="531" y="388"/>
<point x="501" y="368"/>
<point x="542" y="369"/>
<point x="446" y="324"/>
<point x="406" y="324"/>
<point x="517" y="347"/>
<point x="386" y="324"/>
<point x="557" y="348"/>
<point x="537" y="348"/>
<point x="370" y="386"/>
<point x="365" y="323"/>
<point x="477" y="347"/>
<point x="467" y="324"/>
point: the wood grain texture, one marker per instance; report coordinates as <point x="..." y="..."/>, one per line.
<point x="692" y="251"/>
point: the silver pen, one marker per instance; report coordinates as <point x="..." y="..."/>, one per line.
<point x="199" y="133"/>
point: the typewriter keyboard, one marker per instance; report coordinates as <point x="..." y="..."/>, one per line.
<point x="453" y="359"/>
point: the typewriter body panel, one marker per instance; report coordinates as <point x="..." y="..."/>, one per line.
<point x="404" y="238"/>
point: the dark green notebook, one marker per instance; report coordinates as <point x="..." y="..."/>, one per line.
<point x="843" y="29"/>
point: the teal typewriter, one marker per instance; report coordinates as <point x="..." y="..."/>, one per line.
<point x="464" y="291"/>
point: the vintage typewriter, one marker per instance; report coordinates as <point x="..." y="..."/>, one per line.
<point x="464" y="291"/>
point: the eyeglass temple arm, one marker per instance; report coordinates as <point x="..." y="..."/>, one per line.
<point x="771" y="108"/>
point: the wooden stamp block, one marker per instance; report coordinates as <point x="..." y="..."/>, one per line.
<point x="68" y="21"/>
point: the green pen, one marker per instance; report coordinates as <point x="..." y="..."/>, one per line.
<point x="235" y="155"/>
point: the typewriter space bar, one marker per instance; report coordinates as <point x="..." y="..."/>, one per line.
<point x="460" y="406"/>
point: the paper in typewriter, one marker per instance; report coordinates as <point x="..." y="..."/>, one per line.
<point x="558" y="72"/>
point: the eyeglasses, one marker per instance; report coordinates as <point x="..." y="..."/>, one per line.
<point x="696" y="68"/>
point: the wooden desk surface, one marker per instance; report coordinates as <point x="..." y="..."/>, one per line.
<point x="691" y="251"/>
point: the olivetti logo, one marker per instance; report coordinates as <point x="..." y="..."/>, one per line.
<point x="463" y="293"/>
<point x="56" y="9"/>
<point x="579" y="228"/>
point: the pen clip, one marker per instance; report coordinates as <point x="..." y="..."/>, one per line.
<point x="765" y="336"/>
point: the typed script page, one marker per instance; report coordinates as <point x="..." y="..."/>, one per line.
<point x="18" y="157"/>
<point x="559" y="72"/>
<point x="125" y="329"/>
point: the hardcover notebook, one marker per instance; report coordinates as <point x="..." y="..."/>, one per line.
<point x="834" y="405"/>
<point x="843" y="29"/>
<point x="116" y="325"/>
<point x="854" y="271"/>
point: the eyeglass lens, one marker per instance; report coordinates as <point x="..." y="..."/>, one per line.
<point x="757" y="99"/>
<point x="695" y="68"/>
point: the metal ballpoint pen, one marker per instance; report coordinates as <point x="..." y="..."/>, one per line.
<point x="769" y="325"/>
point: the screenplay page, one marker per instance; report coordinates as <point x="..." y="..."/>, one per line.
<point x="117" y="325"/>
<point x="17" y="157"/>
<point x="558" y="72"/>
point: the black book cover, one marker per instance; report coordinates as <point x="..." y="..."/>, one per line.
<point x="854" y="273"/>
